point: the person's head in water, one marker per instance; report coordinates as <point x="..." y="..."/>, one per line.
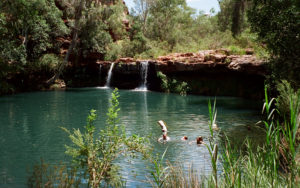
<point x="184" y="138"/>
<point x="199" y="140"/>
<point x="164" y="136"/>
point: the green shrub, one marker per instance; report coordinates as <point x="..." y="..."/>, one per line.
<point x="235" y="50"/>
<point x="114" y="51"/>
<point x="5" y="70"/>
<point x="170" y="85"/>
<point x="286" y="95"/>
<point x="45" y="175"/>
<point x="49" y="62"/>
<point x="96" y="155"/>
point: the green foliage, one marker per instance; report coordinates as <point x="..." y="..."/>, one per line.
<point x="236" y="50"/>
<point x="47" y="63"/>
<point x="172" y="26"/>
<point x="28" y="30"/>
<point x="94" y="37"/>
<point x="172" y="85"/>
<point x="277" y="23"/>
<point x="114" y="51"/>
<point x="115" y="20"/>
<point x="45" y="175"/>
<point x="96" y="155"/>
<point x="286" y="95"/>
<point x="213" y="147"/>
<point x="137" y="42"/>
<point x="248" y="165"/>
<point x="232" y="16"/>
<point x="5" y="69"/>
<point x="178" y="177"/>
<point x="29" y="25"/>
<point x="159" y="173"/>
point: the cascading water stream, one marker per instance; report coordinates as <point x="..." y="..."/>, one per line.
<point x="109" y="75"/>
<point x="144" y="75"/>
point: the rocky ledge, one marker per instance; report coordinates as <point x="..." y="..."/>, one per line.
<point x="210" y="72"/>
<point x="203" y="61"/>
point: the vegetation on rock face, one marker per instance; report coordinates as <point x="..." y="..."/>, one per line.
<point x="28" y="29"/>
<point x="170" y="85"/>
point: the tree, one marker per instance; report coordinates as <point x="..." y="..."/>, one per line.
<point x="29" y="29"/>
<point x="75" y="32"/>
<point x="277" y="24"/>
<point x="168" y="20"/>
<point x="232" y="15"/>
<point x="95" y="25"/>
<point x="143" y="8"/>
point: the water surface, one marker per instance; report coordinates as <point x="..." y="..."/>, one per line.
<point x="29" y="127"/>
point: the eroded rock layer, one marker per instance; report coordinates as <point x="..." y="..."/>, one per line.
<point x="210" y="72"/>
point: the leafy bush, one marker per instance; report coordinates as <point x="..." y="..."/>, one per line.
<point x="287" y="95"/>
<point x="114" y="51"/>
<point x="172" y="85"/>
<point x="47" y="63"/>
<point x="235" y="50"/>
<point x="45" y="175"/>
<point x="96" y="155"/>
<point x="94" y="38"/>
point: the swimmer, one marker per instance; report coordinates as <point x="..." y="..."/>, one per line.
<point x="199" y="140"/>
<point x="184" y="138"/>
<point x="164" y="138"/>
<point x="164" y="130"/>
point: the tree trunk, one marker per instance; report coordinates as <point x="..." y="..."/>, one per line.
<point x="75" y="31"/>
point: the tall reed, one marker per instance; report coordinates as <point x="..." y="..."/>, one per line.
<point x="272" y="164"/>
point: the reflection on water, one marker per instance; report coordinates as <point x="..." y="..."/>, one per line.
<point x="29" y="127"/>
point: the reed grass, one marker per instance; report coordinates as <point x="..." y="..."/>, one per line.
<point x="272" y="164"/>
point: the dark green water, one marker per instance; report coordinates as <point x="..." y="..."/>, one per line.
<point x="29" y="127"/>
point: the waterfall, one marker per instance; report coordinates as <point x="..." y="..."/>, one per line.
<point x="109" y="75"/>
<point x="144" y="75"/>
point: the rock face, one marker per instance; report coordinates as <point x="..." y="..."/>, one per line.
<point x="210" y="72"/>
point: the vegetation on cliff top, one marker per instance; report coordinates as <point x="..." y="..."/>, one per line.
<point x="32" y="32"/>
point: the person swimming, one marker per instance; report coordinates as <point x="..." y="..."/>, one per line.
<point x="164" y="138"/>
<point x="184" y="138"/>
<point x="164" y="130"/>
<point x="163" y="126"/>
<point x="199" y="140"/>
